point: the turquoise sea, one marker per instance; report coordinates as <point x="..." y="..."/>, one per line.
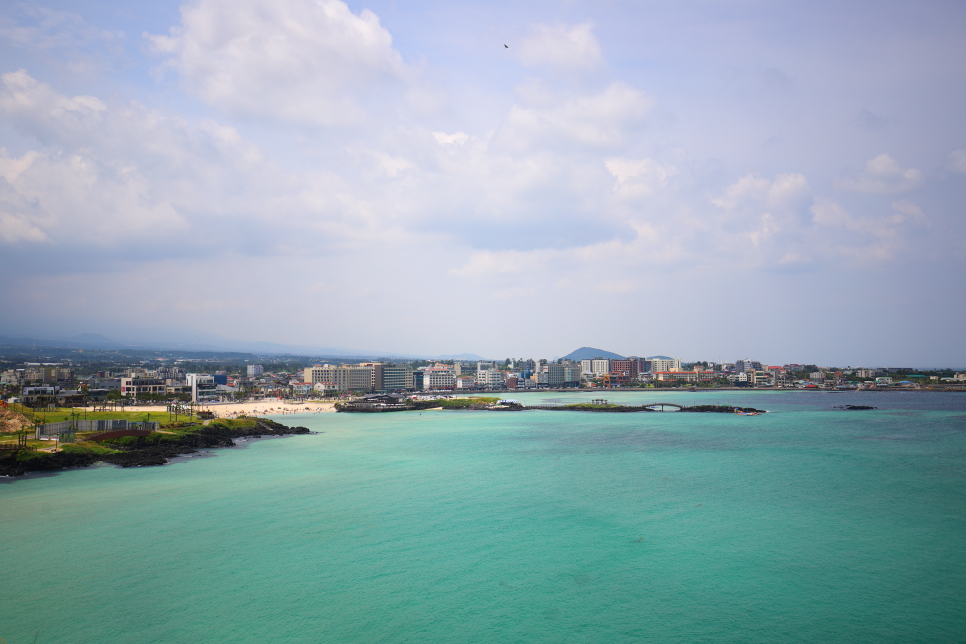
<point x="807" y="524"/>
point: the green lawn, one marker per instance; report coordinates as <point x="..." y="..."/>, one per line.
<point x="456" y="403"/>
<point x="64" y="413"/>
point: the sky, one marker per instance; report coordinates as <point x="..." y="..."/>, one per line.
<point x="778" y="181"/>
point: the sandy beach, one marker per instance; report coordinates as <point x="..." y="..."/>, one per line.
<point x="268" y="407"/>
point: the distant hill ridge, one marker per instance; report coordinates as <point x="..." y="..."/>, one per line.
<point x="587" y="353"/>
<point x="213" y="343"/>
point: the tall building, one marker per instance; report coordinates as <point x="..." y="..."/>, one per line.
<point x="662" y="363"/>
<point x="366" y="376"/>
<point x="600" y="366"/>
<point x="135" y="386"/>
<point x="748" y="365"/>
<point x="490" y="378"/>
<point x="201" y="385"/>
<point x="345" y="377"/>
<point x="559" y="375"/>
<point x="438" y="378"/>
<point x="396" y="378"/>
<point x="625" y="367"/>
<point x="255" y="370"/>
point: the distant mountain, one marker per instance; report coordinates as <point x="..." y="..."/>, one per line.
<point x="91" y="341"/>
<point x="587" y="353"/>
<point x="182" y="340"/>
<point x="459" y="356"/>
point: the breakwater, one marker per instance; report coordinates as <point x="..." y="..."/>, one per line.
<point x="374" y="408"/>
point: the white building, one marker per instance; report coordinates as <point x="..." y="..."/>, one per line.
<point x="662" y="363"/>
<point x="599" y="366"/>
<point x="438" y="378"/>
<point x="346" y="377"/>
<point x="13" y="377"/>
<point x="465" y="382"/>
<point x="255" y="370"/>
<point x="491" y="378"/>
<point x="135" y="386"/>
<point x="559" y="375"/>
<point x="202" y="386"/>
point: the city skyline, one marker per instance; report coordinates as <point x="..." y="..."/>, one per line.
<point x="691" y="179"/>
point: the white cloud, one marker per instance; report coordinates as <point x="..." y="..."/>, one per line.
<point x="307" y="61"/>
<point x="829" y="213"/>
<point x="392" y="165"/>
<point x="14" y="228"/>
<point x="638" y="178"/>
<point x="566" y="49"/>
<point x="43" y="28"/>
<point x="882" y="175"/>
<point x="782" y="192"/>
<point x="782" y="222"/>
<point x="957" y="161"/>
<point x="46" y="113"/>
<point x="909" y="210"/>
<point x="625" y="170"/>
<point x="457" y="138"/>
<point x="106" y="174"/>
<point x="876" y="237"/>
<point x="602" y="120"/>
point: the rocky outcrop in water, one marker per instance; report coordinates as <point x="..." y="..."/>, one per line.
<point x="722" y="409"/>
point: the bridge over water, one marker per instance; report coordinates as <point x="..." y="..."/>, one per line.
<point x="652" y="406"/>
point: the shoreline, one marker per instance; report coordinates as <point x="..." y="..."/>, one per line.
<point x="140" y="451"/>
<point x="236" y="409"/>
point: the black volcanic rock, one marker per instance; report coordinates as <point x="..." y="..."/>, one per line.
<point x="154" y="449"/>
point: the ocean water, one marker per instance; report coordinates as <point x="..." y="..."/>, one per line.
<point x="807" y="524"/>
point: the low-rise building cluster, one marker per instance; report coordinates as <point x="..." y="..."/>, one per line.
<point x="57" y="384"/>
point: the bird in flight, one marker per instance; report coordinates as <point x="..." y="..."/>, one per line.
<point x="507" y="46"/>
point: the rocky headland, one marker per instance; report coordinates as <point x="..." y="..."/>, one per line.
<point x="154" y="449"/>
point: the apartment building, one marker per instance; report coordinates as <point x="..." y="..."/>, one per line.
<point x="136" y="386"/>
<point x="599" y="366"/>
<point x="438" y="378"/>
<point x="345" y="377"/>
<point x="559" y="375"/>
<point x="395" y="378"/>
<point x="656" y="364"/>
<point x="748" y="365"/>
<point x="490" y="378"/>
<point x="202" y="386"/>
<point x="15" y="377"/>
<point x="686" y="376"/>
<point x="629" y="368"/>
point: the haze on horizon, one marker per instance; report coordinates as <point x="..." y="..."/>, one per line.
<point x="779" y="181"/>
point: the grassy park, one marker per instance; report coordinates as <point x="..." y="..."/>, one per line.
<point x="28" y="418"/>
